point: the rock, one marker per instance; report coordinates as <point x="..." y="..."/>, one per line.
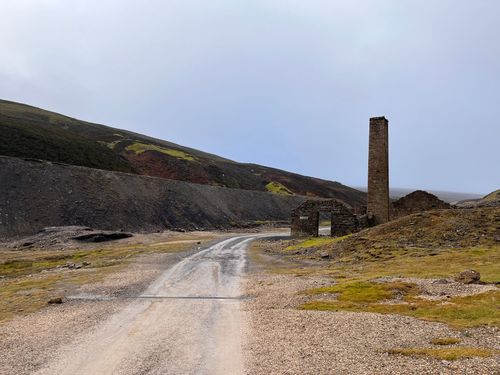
<point x="55" y="301"/>
<point x="324" y="255"/>
<point x="468" y="277"/>
<point x="101" y="236"/>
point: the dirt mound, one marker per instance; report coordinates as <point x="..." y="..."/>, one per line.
<point x="417" y="201"/>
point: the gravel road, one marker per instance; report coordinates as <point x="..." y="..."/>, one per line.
<point x="187" y="322"/>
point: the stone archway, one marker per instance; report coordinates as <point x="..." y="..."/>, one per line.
<point x="305" y="218"/>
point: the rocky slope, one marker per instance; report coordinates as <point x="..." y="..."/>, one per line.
<point x="30" y="132"/>
<point x="35" y="194"/>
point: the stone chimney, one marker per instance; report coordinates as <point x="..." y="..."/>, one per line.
<point x="378" y="171"/>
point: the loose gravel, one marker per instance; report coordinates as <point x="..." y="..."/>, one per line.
<point x="280" y="339"/>
<point x="30" y="341"/>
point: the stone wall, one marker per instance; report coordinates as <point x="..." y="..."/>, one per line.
<point x="378" y="171"/>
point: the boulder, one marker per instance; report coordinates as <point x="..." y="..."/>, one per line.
<point x="468" y="277"/>
<point x="55" y="301"/>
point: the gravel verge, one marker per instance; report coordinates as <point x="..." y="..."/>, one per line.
<point x="280" y="339"/>
<point x="27" y="342"/>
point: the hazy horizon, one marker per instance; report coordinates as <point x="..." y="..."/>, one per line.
<point x="289" y="84"/>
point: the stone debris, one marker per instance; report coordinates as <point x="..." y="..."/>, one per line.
<point x="468" y="277"/>
<point x="67" y="236"/>
<point x="55" y="301"/>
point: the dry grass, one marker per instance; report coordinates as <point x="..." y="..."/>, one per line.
<point x="448" y="354"/>
<point x="32" y="277"/>
<point x="458" y="312"/>
<point x="314" y="242"/>
<point x="445" y="341"/>
<point x="389" y="251"/>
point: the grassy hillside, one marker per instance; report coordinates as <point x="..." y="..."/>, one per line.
<point x="493" y="196"/>
<point x="418" y="234"/>
<point x="31" y="132"/>
<point x="405" y="267"/>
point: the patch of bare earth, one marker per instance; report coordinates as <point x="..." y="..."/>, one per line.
<point x="281" y="339"/>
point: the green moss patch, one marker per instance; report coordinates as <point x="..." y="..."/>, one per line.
<point x="458" y="312"/>
<point x="315" y="242"/>
<point x="364" y="292"/>
<point x="139" y="148"/>
<point x="278" y="188"/>
<point x="448" y="354"/>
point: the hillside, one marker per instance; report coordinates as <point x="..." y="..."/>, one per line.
<point x="493" y="196"/>
<point x="34" y="195"/>
<point x="489" y="200"/>
<point x="30" y="132"/>
<point x="426" y="233"/>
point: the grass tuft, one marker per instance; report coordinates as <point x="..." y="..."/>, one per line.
<point x="448" y="354"/>
<point x="458" y="312"/>
<point x="445" y="341"/>
<point x="139" y="148"/>
<point x="367" y="292"/>
<point x="315" y="242"/>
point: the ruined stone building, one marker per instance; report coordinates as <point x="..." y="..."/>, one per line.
<point x="305" y="218"/>
<point x="379" y="210"/>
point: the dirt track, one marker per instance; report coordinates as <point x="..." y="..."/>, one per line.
<point x="187" y="322"/>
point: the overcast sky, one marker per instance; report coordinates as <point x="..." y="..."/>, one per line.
<point x="289" y="84"/>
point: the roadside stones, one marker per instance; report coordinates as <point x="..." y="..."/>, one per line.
<point x="468" y="277"/>
<point x="324" y="255"/>
<point x="74" y="266"/>
<point x="55" y="301"/>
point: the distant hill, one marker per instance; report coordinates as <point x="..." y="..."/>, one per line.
<point x="489" y="200"/>
<point x="447" y="196"/>
<point x="29" y="132"/>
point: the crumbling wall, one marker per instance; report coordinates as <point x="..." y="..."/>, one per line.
<point x="305" y="218"/>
